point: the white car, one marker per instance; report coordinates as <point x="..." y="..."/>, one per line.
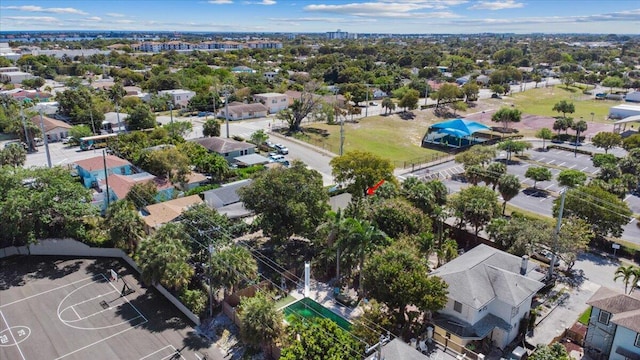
<point x="282" y="149"/>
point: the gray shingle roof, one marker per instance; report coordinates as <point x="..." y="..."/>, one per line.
<point x="223" y="145"/>
<point x="397" y="349"/>
<point x="485" y="273"/>
<point x="225" y="195"/>
<point x="625" y="308"/>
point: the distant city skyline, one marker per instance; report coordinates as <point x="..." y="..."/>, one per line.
<point x="354" y="16"/>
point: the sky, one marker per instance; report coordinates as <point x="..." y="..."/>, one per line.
<point x="319" y="16"/>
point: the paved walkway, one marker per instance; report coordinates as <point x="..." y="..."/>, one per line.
<point x="564" y="315"/>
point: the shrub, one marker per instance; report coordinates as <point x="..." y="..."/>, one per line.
<point x="194" y="300"/>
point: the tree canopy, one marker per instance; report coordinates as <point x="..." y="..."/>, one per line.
<point x="360" y="170"/>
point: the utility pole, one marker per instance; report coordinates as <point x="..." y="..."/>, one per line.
<point x="171" y="114"/>
<point x="341" y="136"/>
<point x="106" y="175"/>
<point x="209" y="282"/>
<point x="93" y="126"/>
<point x="226" y="111"/>
<point x="556" y="235"/>
<point x="24" y="125"/>
<point x="46" y="141"/>
<point x="366" y="105"/>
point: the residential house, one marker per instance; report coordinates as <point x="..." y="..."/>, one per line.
<point x="22" y="95"/>
<point x="120" y="186"/>
<point x="328" y="99"/>
<point x="273" y="101"/>
<point x="270" y="75"/>
<point x="92" y="170"/>
<point x="156" y="215"/>
<point x="397" y="349"/>
<point x="463" y="80"/>
<point x="482" y="80"/>
<point x="179" y="97"/>
<point x="614" y="325"/>
<point x="239" y="111"/>
<point x="55" y="130"/>
<point x="227" y="148"/>
<point x="226" y="200"/>
<point x="242" y="69"/>
<point x="15" y="77"/>
<point x="114" y="122"/>
<point x="379" y="94"/>
<point x="194" y="179"/>
<point x="490" y="292"/>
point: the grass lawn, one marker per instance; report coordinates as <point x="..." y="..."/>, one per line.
<point x="386" y="136"/>
<point x="584" y="317"/>
<point x="540" y="102"/>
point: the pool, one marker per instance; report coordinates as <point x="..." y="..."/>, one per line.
<point x="310" y="309"/>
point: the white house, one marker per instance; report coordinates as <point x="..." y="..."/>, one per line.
<point x="55" y="130"/>
<point x="15" y="77"/>
<point x="239" y="111"/>
<point x="274" y="101"/>
<point x="614" y="324"/>
<point x="490" y="292"/>
<point x="179" y="97"/>
<point x="623" y="110"/>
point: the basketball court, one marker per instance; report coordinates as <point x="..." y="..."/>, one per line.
<point x="88" y="309"/>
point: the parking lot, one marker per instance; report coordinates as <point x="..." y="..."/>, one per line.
<point x="56" y="308"/>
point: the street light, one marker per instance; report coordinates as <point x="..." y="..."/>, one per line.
<point x="226" y="91"/>
<point x="171" y="114"/>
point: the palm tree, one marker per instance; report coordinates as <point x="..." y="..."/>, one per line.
<point x="629" y="275"/>
<point x="130" y="227"/>
<point x="509" y="187"/>
<point x="388" y="105"/>
<point x="232" y="265"/>
<point x="362" y="237"/>
<point x="635" y="279"/>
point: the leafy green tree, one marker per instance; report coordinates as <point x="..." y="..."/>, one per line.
<point x="571" y="178"/>
<point x="361" y="170"/>
<point x="497" y="89"/>
<point x="141" y="117"/>
<point x="606" y="213"/>
<point x="409" y="101"/>
<point x="397" y="216"/>
<point x="179" y="128"/>
<point x="544" y="134"/>
<point x="600" y="160"/>
<point x="573" y="239"/>
<point x="39" y="203"/>
<point x="632" y="142"/>
<point x="259" y="137"/>
<point x="513" y="147"/>
<point x="143" y="194"/>
<point x="612" y="81"/>
<point x="373" y="313"/>
<point x="126" y="227"/>
<point x="301" y="107"/>
<point x="13" y="155"/>
<point x="388" y="105"/>
<point x="562" y="124"/>
<point x="211" y="128"/>
<point x="231" y="266"/>
<point x="470" y="91"/>
<point x="474" y="174"/>
<point x="538" y="173"/>
<point x="261" y="323"/>
<point x="82" y="104"/>
<point x="519" y="235"/>
<point x="163" y="257"/>
<point x="195" y="300"/>
<point x="446" y="94"/>
<point x="507" y="115"/>
<point x="287" y="200"/>
<point x="629" y="275"/>
<point x="476" y="155"/>
<point x="475" y="205"/>
<point x="397" y="276"/>
<point x="166" y="163"/>
<point x="508" y="187"/>
<point x="606" y="140"/>
<point x="80" y="131"/>
<point x="423" y="195"/>
<point x="459" y="106"/>
<point x="565" y="107"/>
<point x="319" y="338"/>
<point x="550" y="352"/>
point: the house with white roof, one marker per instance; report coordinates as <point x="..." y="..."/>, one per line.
<point x="490" y="292"/>
<point x="179" y="97"/>
<point x="273" y="101"/>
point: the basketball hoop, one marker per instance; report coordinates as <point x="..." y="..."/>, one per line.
<point x="113" y="276"/>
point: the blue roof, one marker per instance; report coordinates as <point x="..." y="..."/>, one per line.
<point x="459" y="127"/>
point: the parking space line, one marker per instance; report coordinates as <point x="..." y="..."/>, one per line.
<point x="547" y="188"/>
<point x="551" y="162"/>
<point x="542" y="158"/>
<point x="526" y="165"/>
<point x="543" y="199"/>
<point x="558" y="152"/>
<point x="572" y="166"/>
<point x="595" y="172"/>
<point x="584" y="168"/>
<point x="562" y="163"/>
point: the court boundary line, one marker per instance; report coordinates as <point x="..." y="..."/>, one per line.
<point x="112" y="335"/>
<point x="74" y="310"/>
<point x="48" y="291"/>
<point x="84" y="301"/>
<point x="155" y="352"/>
<point x="12" y="337"/>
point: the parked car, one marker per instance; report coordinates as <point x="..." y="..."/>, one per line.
<point x="545" y="256"/>
<point x="69" y="140"/>
<point x="373" y="103"/>
<point x="282" y="149"/>
<point x="496" y="96"/>
<point x="276" y="158"/>
<point x="16" y="142"/>
<point x="269" y="144"/>
<point x="38" y="141"/>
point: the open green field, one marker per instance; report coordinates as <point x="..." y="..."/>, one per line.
<point x="540" y="102"/>
<point x="386" y="136"/>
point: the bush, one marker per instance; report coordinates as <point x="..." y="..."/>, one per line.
<point x="194" y="300"/>
<point x="201" y="189"/>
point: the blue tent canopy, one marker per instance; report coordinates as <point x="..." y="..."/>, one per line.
<point x="458" y="127"/>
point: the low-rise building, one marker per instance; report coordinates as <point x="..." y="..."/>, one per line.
<point x="614" y="325"/>
<point x="54" y="130"/>
<point x="490" y="292"/>
<point x="226" y="200"/>
<point x="15" y="77"/>
<point x="156" y="215"/>
<point x="227" y="148"/>
<point x="92" y="170"/>
<point x="273" y="101"/>
<point x="179" y="97"/>
<point x="240" y="111"/>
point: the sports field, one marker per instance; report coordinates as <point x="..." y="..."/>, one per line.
<point x="56" y="308"/>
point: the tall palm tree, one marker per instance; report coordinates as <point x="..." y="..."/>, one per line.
<point x="635" y="279"/>
<point x="232" y="265"/>
<point x="130" y="229"/>
<point x="362" y="237"/>
<point x="629" y="275"/>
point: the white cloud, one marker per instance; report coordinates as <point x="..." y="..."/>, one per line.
<point x="402" y="10"/>
<point x="496" y="5"/>
<point x="124" y="21"/>
<point x="263" y="2"/>
<point x="268" y="2"/>
<point x="220" y="2"/>
<point x="117" y="15"/>
<point x="94" y="18"/>
<point x="32" y="8"/>
<point x="322" y="20"/>
<point x="47" y="19"/>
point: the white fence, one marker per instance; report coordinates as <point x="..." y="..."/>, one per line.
<point x="70" y="247"/>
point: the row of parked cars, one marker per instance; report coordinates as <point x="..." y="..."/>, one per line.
<point x="279" y="148"/>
